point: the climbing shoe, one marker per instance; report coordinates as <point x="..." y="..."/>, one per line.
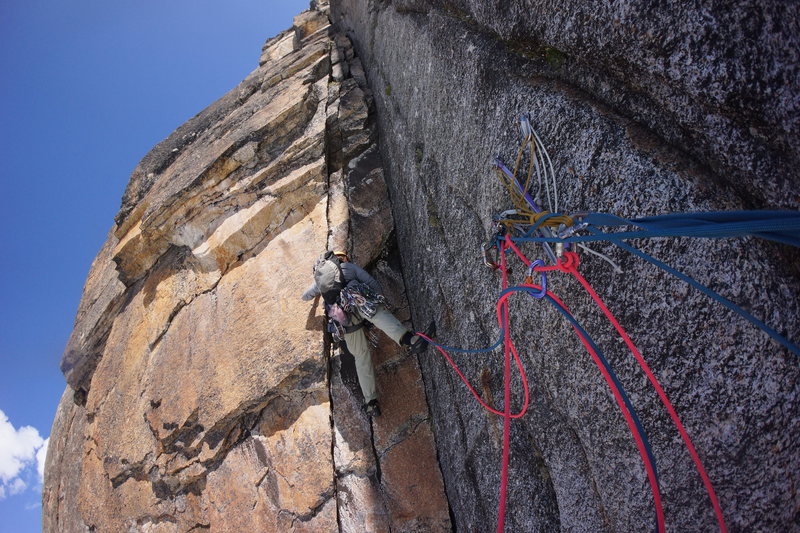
<point x="418" y="344"/>
<point x="372" y="409"/>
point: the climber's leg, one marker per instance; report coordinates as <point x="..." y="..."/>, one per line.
<point x="386" y="322"/>
<point x="358" y="345"/>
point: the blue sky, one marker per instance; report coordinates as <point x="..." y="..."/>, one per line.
<point x="86" y="89"/>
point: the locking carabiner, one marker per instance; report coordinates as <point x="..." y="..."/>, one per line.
<point x="529" y="278"/>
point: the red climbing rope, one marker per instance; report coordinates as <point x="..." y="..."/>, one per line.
<point x="501" y="512"/>
<point x="483" y="404"/>
<point x="569" y="265"/>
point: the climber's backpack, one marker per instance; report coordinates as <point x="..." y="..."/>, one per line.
<point x="329" y="277"/>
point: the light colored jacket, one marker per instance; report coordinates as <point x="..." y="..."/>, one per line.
<point x="352" y="272"/>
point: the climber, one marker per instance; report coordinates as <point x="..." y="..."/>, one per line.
<point x="353" y="297"/>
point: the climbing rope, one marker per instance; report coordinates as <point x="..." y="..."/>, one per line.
<point x="570" y="265"/>
<point x="491" y="348"/>
<point x="782" y="227"/>
<point x="528" y="222"/>
<point x="620" y="396"/>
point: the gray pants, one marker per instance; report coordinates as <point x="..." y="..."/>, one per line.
<point x="358" y="345"/>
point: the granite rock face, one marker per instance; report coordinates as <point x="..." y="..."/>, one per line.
<point x="645" y="109"/>
<point x="202" y="392"/>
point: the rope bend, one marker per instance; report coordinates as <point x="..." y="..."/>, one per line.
<point x="569" y="264"/>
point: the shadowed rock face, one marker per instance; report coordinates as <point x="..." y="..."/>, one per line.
<point x="202" y="395"/>
<point x="645" y="108"/>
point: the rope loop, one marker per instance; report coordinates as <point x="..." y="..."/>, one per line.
<point x="569" y="262"/>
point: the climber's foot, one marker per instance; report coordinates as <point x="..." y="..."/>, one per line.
<point x="372" y="408"/>
<point x="418" y="343"/>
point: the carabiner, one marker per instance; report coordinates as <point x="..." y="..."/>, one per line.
<point x="487" y="257"/>
<point x="529" y="278"/>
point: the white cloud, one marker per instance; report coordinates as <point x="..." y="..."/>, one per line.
<point x="18" y="454"/>
<point x="17" y="486"/>
<point x="41" y="455"/>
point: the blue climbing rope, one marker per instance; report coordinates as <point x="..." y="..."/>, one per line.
<point x="481" y="350"/>
<point x="779" y="226"/>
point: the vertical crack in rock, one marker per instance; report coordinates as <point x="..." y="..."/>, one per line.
<point x="376" y="456"/>
<point x="208" y="400"/>
<point x="376" y="482"/>
<point x="615" y="93"/>
<point x="333" y="218"/>
<point x="337" y="225"/>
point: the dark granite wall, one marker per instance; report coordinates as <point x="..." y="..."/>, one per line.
<point x="645" y="108"/>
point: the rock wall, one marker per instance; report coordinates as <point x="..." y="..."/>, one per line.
<point x="202" y="393"/>
<point x="645" y="108"/>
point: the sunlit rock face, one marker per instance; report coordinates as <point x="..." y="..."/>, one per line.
<point x="202" y="393"/>
<point x="645" y="108"/>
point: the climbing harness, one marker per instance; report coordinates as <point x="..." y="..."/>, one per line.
<point x="357" y="297"/>
<point x="339" y="322"/>
<point x="560" y="235"/>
